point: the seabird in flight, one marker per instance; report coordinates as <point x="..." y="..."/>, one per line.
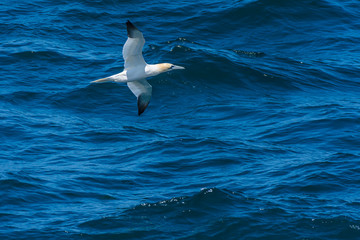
<point x="136" y="70"/>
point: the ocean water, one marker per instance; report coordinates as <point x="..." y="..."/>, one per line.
<point x="257" y="139"/>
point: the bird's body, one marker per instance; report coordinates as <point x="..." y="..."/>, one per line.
<point x="136" y="73"/>
<point x="136" y="70"/>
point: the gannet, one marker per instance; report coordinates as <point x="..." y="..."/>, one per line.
<point x="136" y="70"/>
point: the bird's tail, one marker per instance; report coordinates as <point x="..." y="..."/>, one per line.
<point x="101" y="80"/>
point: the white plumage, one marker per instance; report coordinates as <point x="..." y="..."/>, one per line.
<point x="136" y="70"/>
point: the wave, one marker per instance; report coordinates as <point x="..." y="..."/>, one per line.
<point x="265" y="116"/>
<point x="215" y="213"/>
<point x="252" y="70"/>
<point x="42" y="55"/>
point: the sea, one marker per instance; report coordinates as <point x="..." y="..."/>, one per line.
<point x="258" y="138"/>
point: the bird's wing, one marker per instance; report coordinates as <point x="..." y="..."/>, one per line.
<point x="142" y="90"/>
<point x="132" y="50"/>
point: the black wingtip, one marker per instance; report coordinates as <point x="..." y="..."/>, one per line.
<point x="141" y="105"/>
<point x="130" y="28"/>
<point x="141" y="109"/>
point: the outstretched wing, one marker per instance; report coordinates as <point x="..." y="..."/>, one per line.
<point x="142" y="90"/>
<point x="132" y="50"/>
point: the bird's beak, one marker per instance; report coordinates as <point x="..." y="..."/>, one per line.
<point x="177" y="67"/>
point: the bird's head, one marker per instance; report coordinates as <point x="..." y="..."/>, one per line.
<point x="166" y="67"/>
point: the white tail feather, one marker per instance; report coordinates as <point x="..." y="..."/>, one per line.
<point x="101" y="80"/>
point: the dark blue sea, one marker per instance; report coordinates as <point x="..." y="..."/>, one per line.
<point x="259" y="138"/>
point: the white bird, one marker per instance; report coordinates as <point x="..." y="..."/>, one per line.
<point x="136" y="70"/>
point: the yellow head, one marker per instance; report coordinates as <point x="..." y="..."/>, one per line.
<point x="165" y="67"/>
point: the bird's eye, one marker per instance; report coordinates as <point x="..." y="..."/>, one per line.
<point x="172" y="66"/>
